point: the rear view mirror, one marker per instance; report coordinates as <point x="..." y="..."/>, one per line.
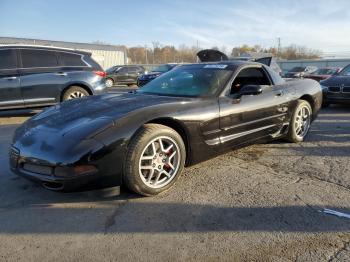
<point x="250" y="90"/>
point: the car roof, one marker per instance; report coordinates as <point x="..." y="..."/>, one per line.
<point x="52" y="48"/>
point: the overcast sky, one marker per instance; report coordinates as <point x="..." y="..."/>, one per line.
<point x="318" y="24"/>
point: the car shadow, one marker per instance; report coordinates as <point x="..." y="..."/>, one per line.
<point x="123" y="216"/>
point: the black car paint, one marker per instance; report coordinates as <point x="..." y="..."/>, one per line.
<point x="97" y="130"/>
<point x="42" y="86"/>
<point x="336" y="89"/>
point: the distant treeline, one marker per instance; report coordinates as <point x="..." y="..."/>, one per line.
<point x="159" y="54"/>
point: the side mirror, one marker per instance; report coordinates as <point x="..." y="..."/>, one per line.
<point x="249" y="90"/>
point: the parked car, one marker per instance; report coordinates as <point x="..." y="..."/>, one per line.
<point x="123" y="75"/>
<point x="323" y="73"/>
<point x="33" y="76"/>
<point x="144" y="138"/>
<point x="147" y="77"/>
<point x="300" y="71"/>
<point x="336" y="89"/>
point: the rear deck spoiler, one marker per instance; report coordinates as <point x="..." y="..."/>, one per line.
<point x="212" y="55"/>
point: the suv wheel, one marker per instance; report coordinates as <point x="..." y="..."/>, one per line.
<point x="109" y="82"/>
<point x="74" y="92"/>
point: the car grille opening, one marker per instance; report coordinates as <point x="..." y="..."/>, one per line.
<point x="42" y="170"/>
<point x="346" y="89"/>
<point x="334" y="89"/>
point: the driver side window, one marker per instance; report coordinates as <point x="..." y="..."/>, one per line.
<point x="249" y="76"/>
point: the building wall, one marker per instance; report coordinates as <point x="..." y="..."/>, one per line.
<point x="105" y="58"/>
<point x="287" y="65"/>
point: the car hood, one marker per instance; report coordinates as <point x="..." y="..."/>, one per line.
<point x="336" y="81"/>
<point x="91" y="115"/>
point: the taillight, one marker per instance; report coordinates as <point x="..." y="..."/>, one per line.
<point x="100" y="73"/>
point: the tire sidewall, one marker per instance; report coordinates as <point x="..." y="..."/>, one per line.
<point x="132" y="171"/>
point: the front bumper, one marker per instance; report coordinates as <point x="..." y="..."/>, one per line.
<point x="60" y="177"/>
<point x="57" y="183"/>
<point x="337" y="100"/>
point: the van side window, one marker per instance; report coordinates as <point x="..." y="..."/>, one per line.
<point x="68" y="59"/>
<point x="249" y="76"/>
<point x="7" y="59"/>
<point x="38" y="58"/>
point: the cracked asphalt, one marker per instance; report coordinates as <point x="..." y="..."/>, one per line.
<point x="259" y="203"/>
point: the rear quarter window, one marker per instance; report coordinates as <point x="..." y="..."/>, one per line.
<point x="7" y="59"/>
<point x="69" y="59"/>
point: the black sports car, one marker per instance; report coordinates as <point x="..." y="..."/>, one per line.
<point x="145" y="78"/>
<point x="144" y="139"/>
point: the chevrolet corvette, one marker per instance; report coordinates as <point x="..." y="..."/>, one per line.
<point x="143" y="139"/>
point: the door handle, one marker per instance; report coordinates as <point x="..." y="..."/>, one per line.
<point x="61" y="74"/>
<point x="10" y="78"/>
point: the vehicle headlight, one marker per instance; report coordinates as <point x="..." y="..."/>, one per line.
<point x="324" y="88"/>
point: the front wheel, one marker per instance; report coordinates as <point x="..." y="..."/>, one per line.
<point x="155" y="160"/>
<point x="300" y="123"/>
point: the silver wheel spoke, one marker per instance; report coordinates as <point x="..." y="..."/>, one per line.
<point x="161" y="145"/>
<point x="172" y="155"/>
<point x="171" y="166"/>
<point x="154" y="148"/>
<point x="150" y="175"/>
<point x="168" y="148"/>
<point x="157" y="178"/>
<point x="147" y="167"/>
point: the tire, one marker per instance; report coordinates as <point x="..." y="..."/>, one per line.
<point x="299" y="125"/>
<point x="163" y="164"/>
<point x="109" y="82"/>
<point x="74" y="92"/>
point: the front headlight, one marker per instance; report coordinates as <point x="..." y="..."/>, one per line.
<point x="324" y="88"/>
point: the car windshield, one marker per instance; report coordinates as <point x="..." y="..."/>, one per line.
<point x="345" y="71"/>
<point x="162" y="68"/>
<point x="112" y="69"/>
<point x="325" y="71"/>
<point x="297" y="69"/>
<point x="191" y="81"/>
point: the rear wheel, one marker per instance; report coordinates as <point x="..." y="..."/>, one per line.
<point x="155" y="160"/>
<point x="74" y="92"/>
<point x="109" y="82"/>
<point x="300" y="123"/>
